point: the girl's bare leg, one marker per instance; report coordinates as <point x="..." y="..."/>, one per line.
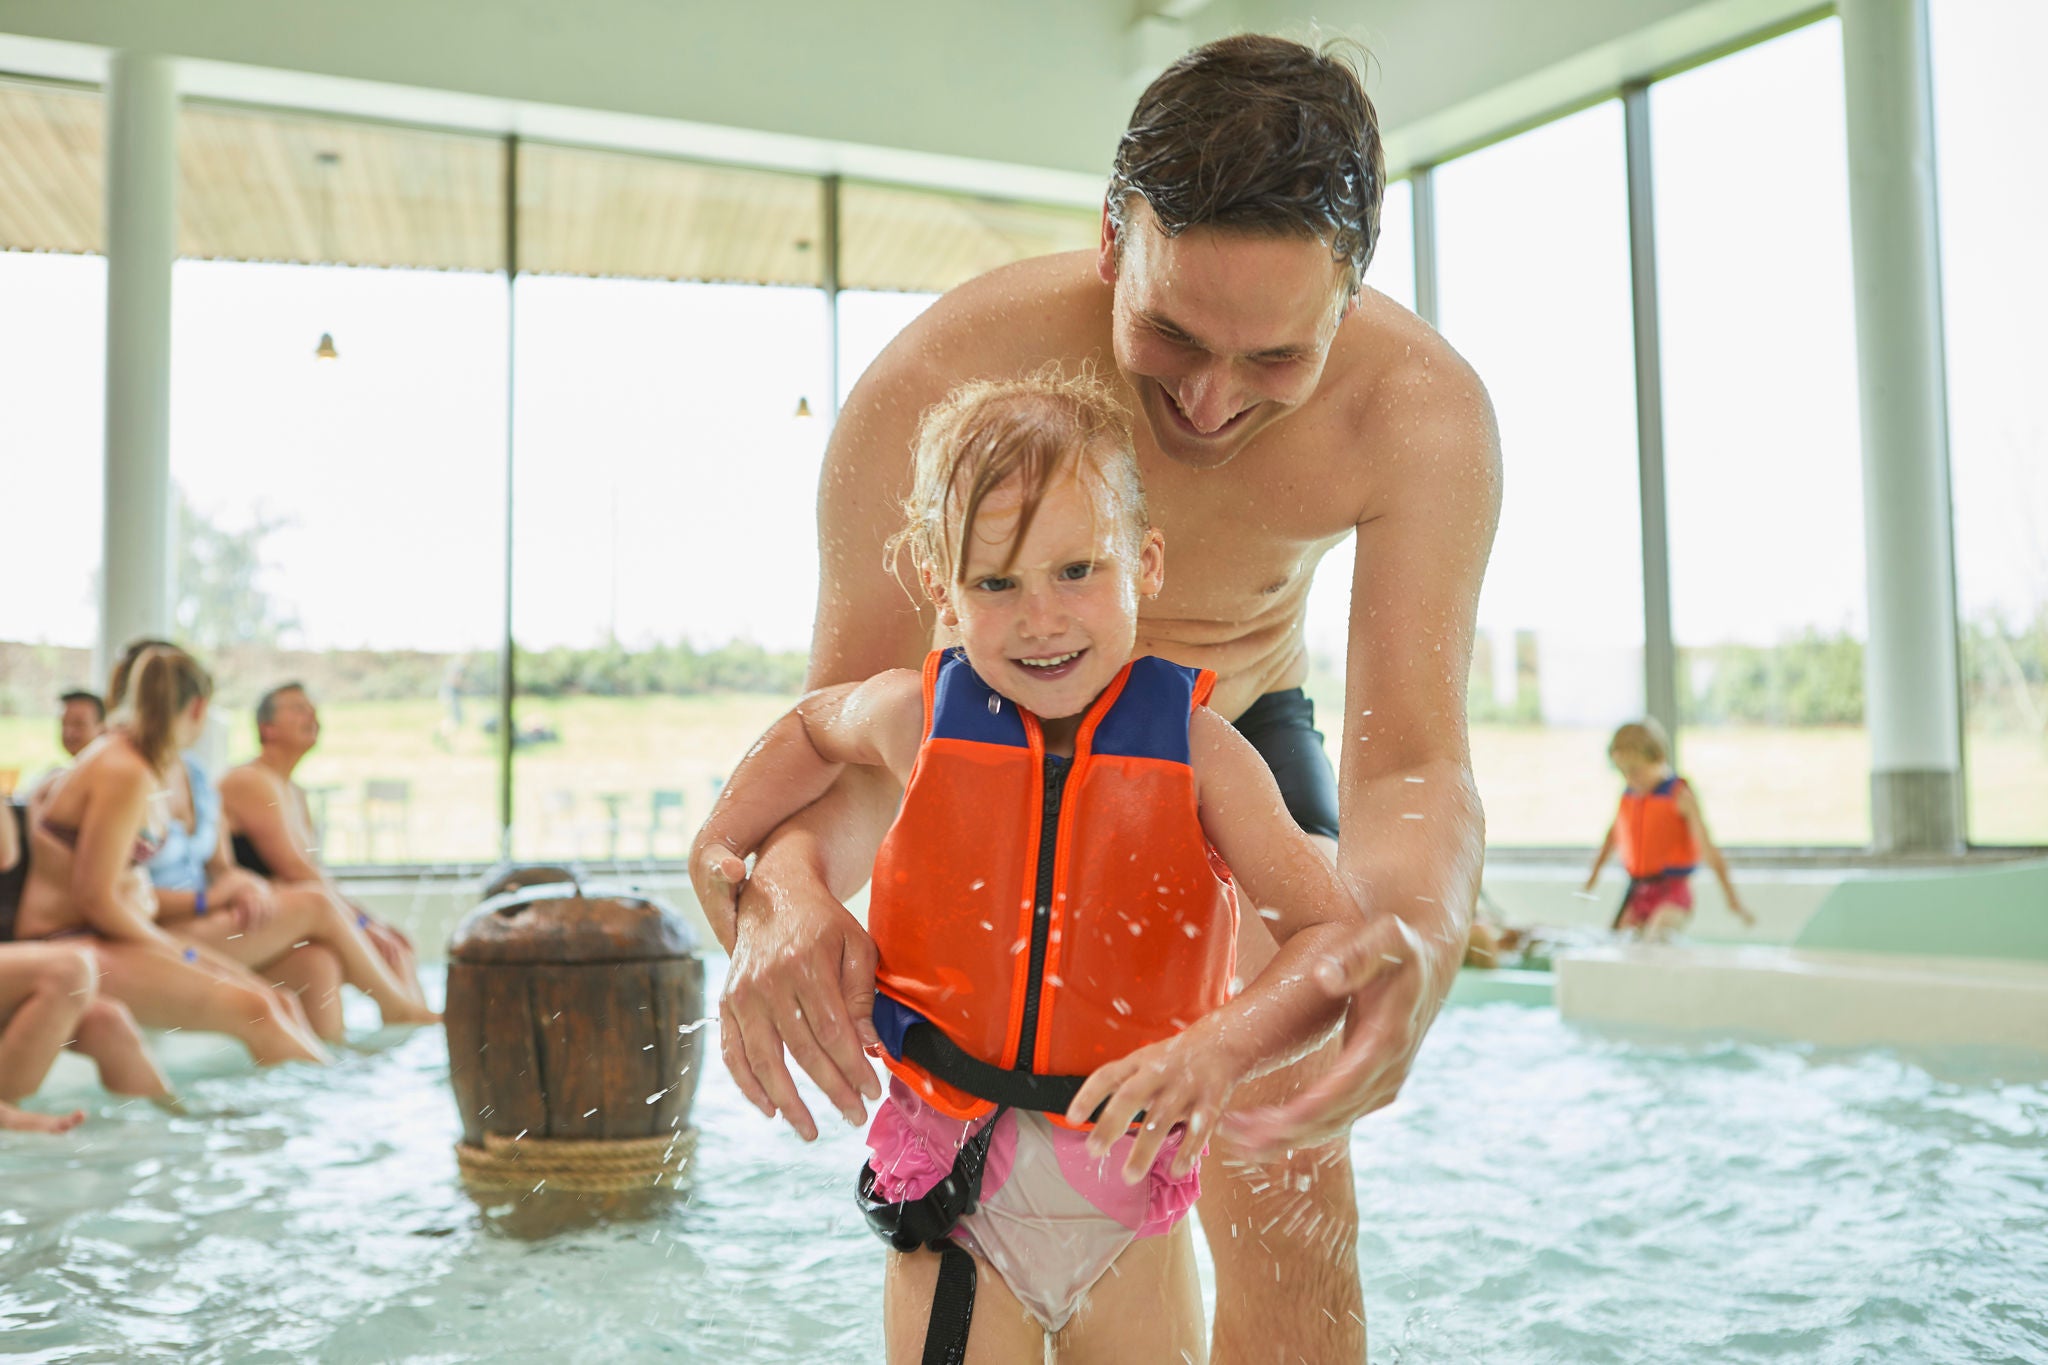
<point x="314" y="974"/>
<point x="1001" y="1332"/>
<point x="166" y="993"/>
<point x="108" y="1035"/>
<point x="1146" y="1306"/>
<point x="44" y="991"/>
<point x="21" y="1121"/>
<point x="306" y="913"/>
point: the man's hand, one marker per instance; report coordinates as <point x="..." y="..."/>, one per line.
<point x="1391" y="976"/>
<point x="802" y="978"/>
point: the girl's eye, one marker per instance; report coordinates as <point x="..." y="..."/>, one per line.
<point x="993" y="584"/>
<point x="1075" y="572"/>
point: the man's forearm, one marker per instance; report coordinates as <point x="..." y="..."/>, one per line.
<point x="1414" y="849"/>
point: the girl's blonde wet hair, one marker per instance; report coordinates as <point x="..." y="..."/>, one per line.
<point x="1644" y="739"/>
<point x="989" y="431"/>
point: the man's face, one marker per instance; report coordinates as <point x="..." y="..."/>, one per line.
<point x="1221" y="333"/>
<point x="296" y="725"/>
<point x="79" y="727"/>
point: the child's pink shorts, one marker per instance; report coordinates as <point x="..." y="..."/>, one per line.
<point x="1651" y="894"/>
<point x="1051" y="1217"/>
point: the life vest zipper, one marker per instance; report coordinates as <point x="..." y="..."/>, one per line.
<point x="1056" y="773"/>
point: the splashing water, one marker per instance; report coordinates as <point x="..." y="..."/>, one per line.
<point x="1538" y="1194"/>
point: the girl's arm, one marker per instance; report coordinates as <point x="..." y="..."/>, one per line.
<point x="1600" y="859"/>
<point x="108" y="824"/>
<point x="1290" y="883"/>
<point x="876" y="723"/>
<point x="1696" y="821"/>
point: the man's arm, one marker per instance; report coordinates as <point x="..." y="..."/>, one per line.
<point x="249" y="801"/>
<point x="1412" y="832"/>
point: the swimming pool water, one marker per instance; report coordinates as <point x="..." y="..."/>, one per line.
<point x="1540" y="1194"/>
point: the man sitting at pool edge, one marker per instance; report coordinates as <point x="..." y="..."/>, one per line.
<point x="272" y="826"/>
<point x="1283" y="405"/>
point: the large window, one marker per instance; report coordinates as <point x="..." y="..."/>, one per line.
<point x="341" y="518"/>
<point x="1992" y="124"/>
<point x="665" y="562"/>
<point x="1534" y="266"/>
<point x="1326" y="623"/>
<point x="1764" y="472"/>
<point x="53" y="316"/>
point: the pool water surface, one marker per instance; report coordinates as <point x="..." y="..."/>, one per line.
<point x="1539" y="1194"/>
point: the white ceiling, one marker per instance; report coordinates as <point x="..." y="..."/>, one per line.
<point x="1014" y="97"/>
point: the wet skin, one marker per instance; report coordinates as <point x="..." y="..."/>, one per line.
<point x="1276" y="417"/>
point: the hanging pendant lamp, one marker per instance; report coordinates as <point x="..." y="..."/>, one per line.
<point x="327" y="161"/>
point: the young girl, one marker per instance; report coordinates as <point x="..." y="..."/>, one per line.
<point x="1661" y="836"/>
<point x="1055" y="929"/>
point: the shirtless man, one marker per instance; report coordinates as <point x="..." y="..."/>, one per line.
<point x="1282" y="406"/>
<point x="272" y="827"/>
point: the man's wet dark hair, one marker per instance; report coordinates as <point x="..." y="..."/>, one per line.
<point x="92" y="699"/>
<point x="266" y="706"/>
<point x="1260" y="134"/>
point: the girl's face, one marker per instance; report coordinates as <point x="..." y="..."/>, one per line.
<point x="1050" y="631"/>
<point x="1638" y="770"/>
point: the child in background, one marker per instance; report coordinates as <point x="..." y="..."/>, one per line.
<point x="1055" y="930"/>
<point x="1661" y="837"/>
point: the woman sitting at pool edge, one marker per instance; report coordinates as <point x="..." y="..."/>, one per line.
<point x="293" y="936"/>
<point x="87" y="880"/>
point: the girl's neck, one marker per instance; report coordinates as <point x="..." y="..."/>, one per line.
<point x="1059" y="735"/>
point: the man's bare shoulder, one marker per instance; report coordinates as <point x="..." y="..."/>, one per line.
<point x="249" y="782"/>
<point x="1414" y="407"/>
<point x="1007" y="322"/>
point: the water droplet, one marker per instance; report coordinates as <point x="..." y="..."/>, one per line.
<point x="1120" y="1005"/>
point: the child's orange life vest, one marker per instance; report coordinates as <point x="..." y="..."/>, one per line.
<point x="1056" y="957"/>
<point x="1651" y="835"/>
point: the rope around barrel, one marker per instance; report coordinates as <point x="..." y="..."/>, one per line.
<point x="576" y="1165"/>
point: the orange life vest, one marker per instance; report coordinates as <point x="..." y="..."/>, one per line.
<point x="1137" y="934"/>
<point x="1651" y="834"/>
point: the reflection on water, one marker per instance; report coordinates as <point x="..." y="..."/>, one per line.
<point x="1539" y="1194"/>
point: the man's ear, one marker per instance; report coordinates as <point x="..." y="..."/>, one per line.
<point x="1105" y="256"/>
<point x="1152" y="563"/>
<point x="935" y="589"/>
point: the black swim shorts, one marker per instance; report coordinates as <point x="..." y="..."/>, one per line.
<point x="1282" y="727"/>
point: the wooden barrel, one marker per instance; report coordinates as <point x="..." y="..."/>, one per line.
<point x="518" y="877"/>
<point x="573" y="1040"/>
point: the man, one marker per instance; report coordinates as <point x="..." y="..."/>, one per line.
<point x="272" y="826"/>
<point x="83" y="720"/>
<point x="1282" y="406"/>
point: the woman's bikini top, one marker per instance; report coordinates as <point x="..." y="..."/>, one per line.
<point x="146" y="843"/>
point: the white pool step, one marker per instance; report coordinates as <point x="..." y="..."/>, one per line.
<point x="1832" y="998"/>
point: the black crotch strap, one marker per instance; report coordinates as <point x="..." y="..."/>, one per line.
<point x="928" y="1223"/>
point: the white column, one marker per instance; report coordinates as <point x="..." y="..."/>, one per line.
<point x="138" y="573"/>
<point x="1911" y="689"/>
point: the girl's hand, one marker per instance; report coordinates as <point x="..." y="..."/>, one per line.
<point x="1742" y="913"/>
<point x="1184" y="1081"/>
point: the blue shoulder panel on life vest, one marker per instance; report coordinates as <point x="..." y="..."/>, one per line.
<point x="1150" y="718"/>
<point x="960" y="706"/>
